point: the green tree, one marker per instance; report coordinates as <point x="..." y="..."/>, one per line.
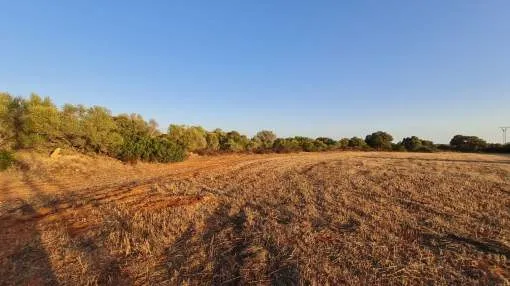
<point x="416" y="144"/>
<point x="213" y="141"/>
<point x="412" y="143"/>
<point x="72" y="126"/>
<point x="379" y="140"/>
<point x="286" y="145"/>
<point x="343" y="143"/>
<point x="233" y="141"/>
<point x="467" y="143"/>
<point x="7" y="132"/>
<point x="358" y="143"/>
<point x="328" y="142"/>
<point x="40" y="124"/>
<point x="101" y="131"/>
<point x="193" y="138"/>
<point x="264" y="139"/>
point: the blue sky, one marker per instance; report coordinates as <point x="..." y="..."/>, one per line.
<point x="332" y="68"/>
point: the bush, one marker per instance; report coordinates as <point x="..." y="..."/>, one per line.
<point x="328" y="142"/>
<point x="193" y="138"/>
<point x="343" y="143"/>
<point x="379" y="140"/>
<point x="7" y="130"/>
<point x="309" y="144"/>
<point x="425" y="149"/>
<point x="357" y="143"/>
<point x="266" y="139"/>
<point x="321" y="146"/>
<point x="6" y="160"/>
<point x="233" y="141"/>
<point x="213" y="142"/>
<point x="443" y="147"/>
<point x="286" y="145"/>
<point x="415" y="144"/>
<point x="467" y="143"/>
<point x="398" y="147"/>
<point x="151" y="149"/>
<point x="497" y="148"/>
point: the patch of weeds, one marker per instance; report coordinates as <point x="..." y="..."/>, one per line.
<point x="6" y="159"/>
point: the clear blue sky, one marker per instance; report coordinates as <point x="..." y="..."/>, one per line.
<point x="430" y="68"/>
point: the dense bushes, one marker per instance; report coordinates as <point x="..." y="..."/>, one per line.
<point x="263" y="141"/>
<point x="357" y="143"/>
<point x="498" y="148"/>
<point x="286" y="145"/>
<point x="416" y="144"/>
<point x="193" y="138"/>
<point x="151" y="149"/>
<point x="37" y="123"/>
<point x="233" y="141"/>
<point x="142" y="141"/>
<point x="467" y="143"/>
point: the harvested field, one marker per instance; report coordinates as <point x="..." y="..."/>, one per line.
<point x="297" y="219"/>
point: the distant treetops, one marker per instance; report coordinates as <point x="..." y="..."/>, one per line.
<point x="36" y="123"/>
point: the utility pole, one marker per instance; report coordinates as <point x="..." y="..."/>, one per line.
<point x="504" y="128"/>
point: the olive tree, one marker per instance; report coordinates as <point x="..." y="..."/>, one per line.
<point x="379" y="140"/>
<point x="265" y="139"/>
<point x="193" y="138"/>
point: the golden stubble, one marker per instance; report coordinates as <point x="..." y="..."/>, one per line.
<point x="308" y="218"/>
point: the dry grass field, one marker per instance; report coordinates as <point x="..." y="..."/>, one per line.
<point x="298" y="219"/>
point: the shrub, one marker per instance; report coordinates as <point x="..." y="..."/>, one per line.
<point x="467" y="143"/>
<point x="286" y="145"/>
<point x="193" y="138"/>
<point x="6" y="159"/>
<point x="379" y="140"/>
<point x="416" y="144"/>
<point x="39" y="123"/>
<point x="264" y="139"/>
<point x="307" y="144"/>
<point x="6" y="127"/>
<point x="411" y="143"/>
<point x="498" y="148"/>
<point x="164" y="150"/>
<point x="443" y="147"/>
<point x="102" y="133"/>
<point x="213" y="141"/>
<point x="233" y="141"/>
<point x="425" y="149"/>
<point x="151" y="149"/>
<point x="398" y="147"/>
<point x="321" y="146"/>
<point x="357" y="143"/>
<point x="343" y="143"/>
<point x="328" y="142"/>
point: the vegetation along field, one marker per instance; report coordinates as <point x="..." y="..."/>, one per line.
<point x="282" y="219"/>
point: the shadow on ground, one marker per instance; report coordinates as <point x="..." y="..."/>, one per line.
<point x="228" y="252"/>
<point x="25" y="260"/>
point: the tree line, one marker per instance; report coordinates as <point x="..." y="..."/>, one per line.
<point x="37" y="123"/>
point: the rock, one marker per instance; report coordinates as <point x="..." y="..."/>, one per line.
<point x="55" y="153"/>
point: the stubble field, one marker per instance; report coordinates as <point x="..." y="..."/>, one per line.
<point x="298" y="219"/>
